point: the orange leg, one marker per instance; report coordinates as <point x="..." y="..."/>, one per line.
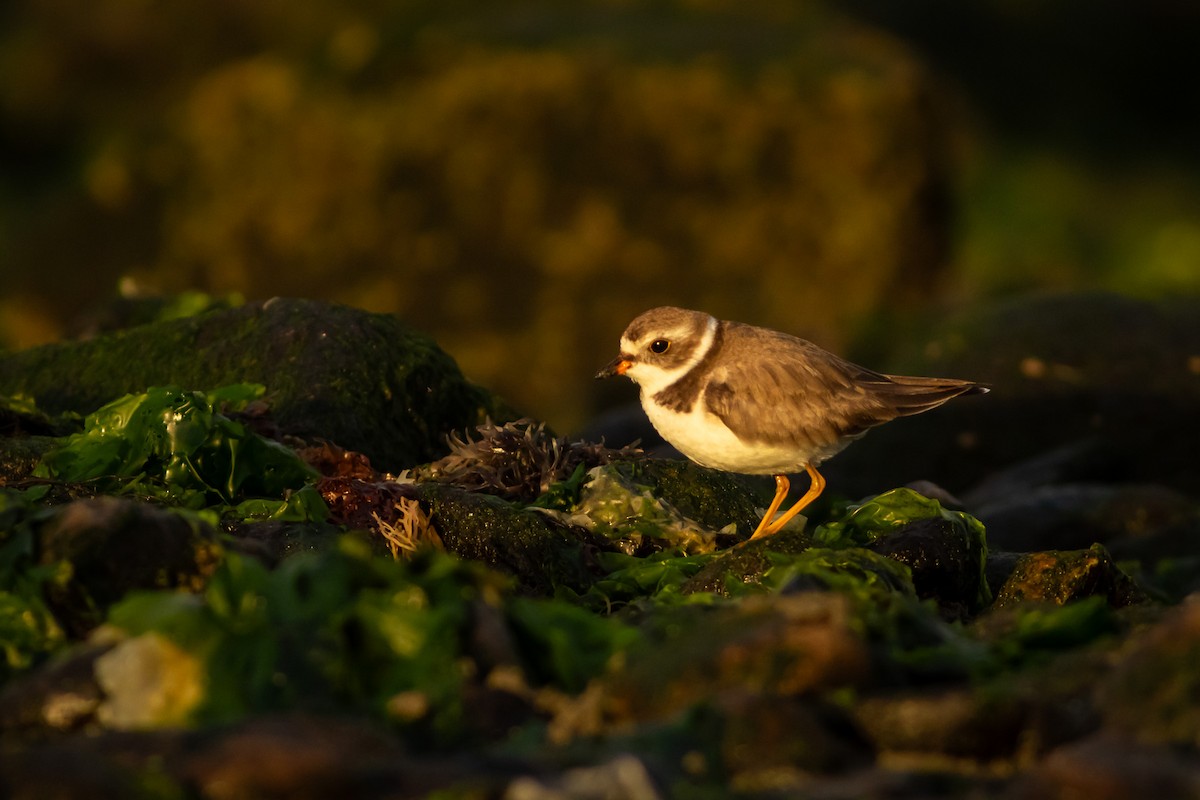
<point x="782" y="485"/>
<point x="768" y="527"/>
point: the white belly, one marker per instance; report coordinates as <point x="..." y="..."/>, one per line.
<point x="703" y="438"/>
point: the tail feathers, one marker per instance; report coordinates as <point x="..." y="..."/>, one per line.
<point x="913" y="395"/>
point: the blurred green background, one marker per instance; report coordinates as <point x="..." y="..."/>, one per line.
<point x="519" y="179"/>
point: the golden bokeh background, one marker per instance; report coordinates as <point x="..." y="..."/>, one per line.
<point x="519" y="179"/>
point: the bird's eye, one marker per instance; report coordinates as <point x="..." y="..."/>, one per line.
<point x="659" y="346"/>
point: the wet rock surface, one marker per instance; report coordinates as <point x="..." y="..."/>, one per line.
<point x="945" y="564"/>
<point x="538" y="551"/>
<point x="524" y="616"/>
<point x="1061" y="577"/>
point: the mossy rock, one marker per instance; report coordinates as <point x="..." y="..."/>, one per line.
<point x="535" y="549"/>
<point x="747" y="562"/>
<point x="365" y="381"/>
<point x="1063" y="576"/>
<point x="712" y="498"/>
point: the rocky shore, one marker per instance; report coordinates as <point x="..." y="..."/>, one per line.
<point x="286" y="549"/>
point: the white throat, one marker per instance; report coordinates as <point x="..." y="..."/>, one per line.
<point x="653" y="379"/>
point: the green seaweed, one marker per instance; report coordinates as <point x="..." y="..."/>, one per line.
<point x="659" y="577"/>
<point x="925" y="646"/>
<point x="563" y="495"/>
<point x="874" y="518"/>
<point x="341" y="627"/>
<point x="176" y="446"/>
<point x="28" y="629"/>
<point x="19" y="413"/>
<point x="712" y="498"/>
<point x="566" y="645"/>
<point x="349" y="628"/>
<point x="865" y="575"/>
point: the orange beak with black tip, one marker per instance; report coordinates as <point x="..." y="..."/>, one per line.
<point x="617" y="366"/>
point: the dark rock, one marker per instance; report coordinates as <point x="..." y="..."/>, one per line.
<point x="131" y="309"/>
<point x="1063" y="576"/>
<point x="891" y="782"/>
<point x="291" y="756"/>
<point x="1088" y="461"/>
<point x="999" y="567"/>
<point x="271" y="541"/>
<point x="364" y="381"/>
<point x="1108" y="767"/>
<point x="61" y="697"/>
<point x="20" y="455"/>
<point x="534" y="548"/>
<point x="1052" y="343"/>
<point x="1151" y="692"/>
<point x="67" y="771"/>
<point x="1046" y="518"/>
<point x="1173" y="578"/>
<point x="1151" y="523"/>
<point x="1072" y="368"/>
<point x="934" y="492"/>
<point x="495" y="713"/>
<point x="20" y="423"/>
<point x="762" y="734"/>
<point x="115" y="546"/>
<point x="1074" y="516"/>
<point x="1008" y="719"/>
<point x="946" y="563"/>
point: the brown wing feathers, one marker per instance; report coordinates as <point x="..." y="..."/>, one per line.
<point x="909" y="395"/>
<point x="823" y="398"/>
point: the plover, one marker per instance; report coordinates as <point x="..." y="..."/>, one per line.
<point x="739" y="398"/>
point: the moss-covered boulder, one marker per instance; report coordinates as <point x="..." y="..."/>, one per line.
<point x="365" y="381"/>
<point x="1062" y="576"/>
